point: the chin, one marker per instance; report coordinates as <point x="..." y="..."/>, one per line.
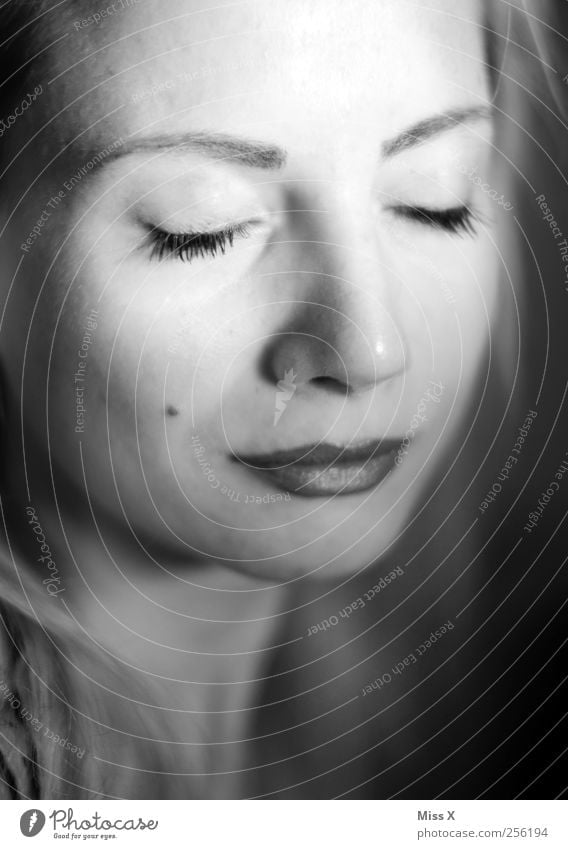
<point x="327" y="559"/>
<point x="284" y="542"/>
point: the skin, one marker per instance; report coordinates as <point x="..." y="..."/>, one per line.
<point x="331" y="282"/>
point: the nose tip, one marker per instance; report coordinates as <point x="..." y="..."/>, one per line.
<point x="338" y="351"/>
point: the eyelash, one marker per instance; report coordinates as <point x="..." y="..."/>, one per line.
<point x="188" y="246"/>
<point x="458" y="220"/>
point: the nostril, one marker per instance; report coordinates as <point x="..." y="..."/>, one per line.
<point x="331" y="385"/>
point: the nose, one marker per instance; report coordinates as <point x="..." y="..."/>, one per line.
<point x="341" y="330"/>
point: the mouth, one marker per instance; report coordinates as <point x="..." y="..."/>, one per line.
<point x="324" y="469"/>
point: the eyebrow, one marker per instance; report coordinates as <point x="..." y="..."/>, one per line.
<point x="256" y="154"/>
<point x="434" y="126"/>
<point x="243" y="151"/>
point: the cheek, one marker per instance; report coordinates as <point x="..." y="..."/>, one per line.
<point x="152" y="344"/>
<point x="454" y="293"/>
<point x="477" y="307"/>
<point x="166" y="371"/>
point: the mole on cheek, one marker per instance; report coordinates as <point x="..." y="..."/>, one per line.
<point x="172" y="411"/>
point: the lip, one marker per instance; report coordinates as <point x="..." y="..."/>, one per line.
<point x="324" y="469"/>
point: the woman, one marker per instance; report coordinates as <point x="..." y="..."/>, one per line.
<point x="256" y="307"/>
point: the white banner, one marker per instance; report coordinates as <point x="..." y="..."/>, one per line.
<point x="287" y="824"/>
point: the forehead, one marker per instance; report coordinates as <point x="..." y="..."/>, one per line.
<point x="166" y="67"/>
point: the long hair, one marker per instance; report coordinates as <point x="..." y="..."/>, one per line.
<point x="63" y="716"/>
<point x="74" y="723"/>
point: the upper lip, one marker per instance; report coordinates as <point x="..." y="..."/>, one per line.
<point x="322" y="454"/>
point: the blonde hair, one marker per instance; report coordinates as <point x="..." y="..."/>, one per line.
<point x="61" y="708"/>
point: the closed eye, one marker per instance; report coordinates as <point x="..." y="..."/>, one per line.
<point x="459" y="219"/>
<point x="190" y="246"/>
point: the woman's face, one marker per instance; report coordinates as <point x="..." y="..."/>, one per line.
<point x="259" y="243"/>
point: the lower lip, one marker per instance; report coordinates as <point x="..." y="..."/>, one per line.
<point x="322" y="480"/>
